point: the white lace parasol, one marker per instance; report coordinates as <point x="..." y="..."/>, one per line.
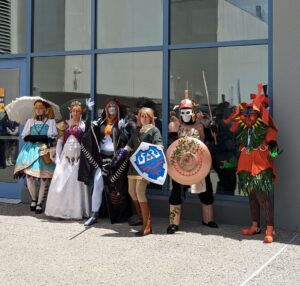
<point x="21" y="109"/>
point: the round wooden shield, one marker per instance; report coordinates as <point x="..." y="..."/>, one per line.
<point x="189" y="160"/>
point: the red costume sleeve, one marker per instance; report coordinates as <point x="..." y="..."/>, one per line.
<point x="271" y="135"/>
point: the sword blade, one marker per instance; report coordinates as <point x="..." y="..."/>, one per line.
<point x="207" y="96"/>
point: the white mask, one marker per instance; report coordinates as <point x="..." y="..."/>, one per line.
<point x="112" y="110"/>
<point x="186" y="115"/>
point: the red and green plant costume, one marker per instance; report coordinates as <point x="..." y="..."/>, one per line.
<point x="256" y="134"/>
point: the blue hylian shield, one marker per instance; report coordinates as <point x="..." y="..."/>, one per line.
<point x="150" y="162"/>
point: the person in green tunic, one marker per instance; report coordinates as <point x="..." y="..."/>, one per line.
<point x="137" y="185"/>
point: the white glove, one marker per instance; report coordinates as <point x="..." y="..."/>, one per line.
<point x="144" y="147"/>
<point x="89" y="103"/>
<point x="121" y="124"/>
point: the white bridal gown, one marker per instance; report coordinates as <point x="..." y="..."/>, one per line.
<point x="68" y="198"/>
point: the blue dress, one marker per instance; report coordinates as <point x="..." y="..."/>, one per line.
<point x="30" y="161"/>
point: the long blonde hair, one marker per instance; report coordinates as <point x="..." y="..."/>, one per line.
<point x="39" y="104"/>
<point x="149" y="112"/>
<point x="48" y="110"/>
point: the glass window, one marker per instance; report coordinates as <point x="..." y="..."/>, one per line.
<point x="61" y="25"/>
<point x="129" y="23"/>
<point x="231" y="75"/>
<point x="9" y="130"/>
<point x="133" y="78"/>
<point x="62" y="79"/>
<point x="218" y="20"/>
<point x="12" y="26"/>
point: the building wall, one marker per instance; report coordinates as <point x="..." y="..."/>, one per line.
<point x="286" y="37"/>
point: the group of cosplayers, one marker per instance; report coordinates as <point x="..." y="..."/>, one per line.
<point x="103" y="167"/>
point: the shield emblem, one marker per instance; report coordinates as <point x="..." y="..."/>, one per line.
<point x="150" y="162"/>
<point x="189" y="160"/>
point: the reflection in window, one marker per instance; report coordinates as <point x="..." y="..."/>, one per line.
<point x="61" y="25"/>
<point x="231" y="74"/>
<point x="62" y="79"/>
<point x="135" y="79"/>
<point x="129" y="23"/>
<point x="12" y="27"/>
<point x="9" y="130"/>
<point x="218" y="20"/>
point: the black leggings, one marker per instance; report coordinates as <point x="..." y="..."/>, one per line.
<point x="178" y="193"/>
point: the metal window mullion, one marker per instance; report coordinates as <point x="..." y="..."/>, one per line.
<point x="61" y="53"/>
<point x="165" y="81"/>
<point x="93" y="82"/>
<point x="12" y="56"/>
<point x="93" y="56"/>
<point x="29" y="32"/>
<point x="93" y="24"/>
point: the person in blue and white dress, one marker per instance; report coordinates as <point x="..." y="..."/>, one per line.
<point x="68" y="198"/>
<point x="34" y="159"/>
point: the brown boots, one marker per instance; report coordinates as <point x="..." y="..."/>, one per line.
<point x="138" y="220"/>
<point x="147" y="229"/>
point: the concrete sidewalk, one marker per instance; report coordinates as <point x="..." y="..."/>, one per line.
<point x="35" y="250"/>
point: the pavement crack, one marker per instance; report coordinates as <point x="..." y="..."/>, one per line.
<point x="270" y="260"/>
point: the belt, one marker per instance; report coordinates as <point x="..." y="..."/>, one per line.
<point x="260" y="147"/>
<point x="107" y="153"/>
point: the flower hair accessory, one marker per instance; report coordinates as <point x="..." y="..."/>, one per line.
<point x="75" y="103"/>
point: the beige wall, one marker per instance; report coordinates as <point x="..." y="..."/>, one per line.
<point x="286" y="59"/>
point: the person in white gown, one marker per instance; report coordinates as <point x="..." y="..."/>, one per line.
<point x="68" y="198"/>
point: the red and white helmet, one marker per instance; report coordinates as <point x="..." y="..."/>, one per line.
<point x="186" y="102"/>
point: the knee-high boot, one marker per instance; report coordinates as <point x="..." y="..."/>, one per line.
<point x="174" y="219"/>
<point x="147" y="229"/>
<point x="139" y="219"/>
